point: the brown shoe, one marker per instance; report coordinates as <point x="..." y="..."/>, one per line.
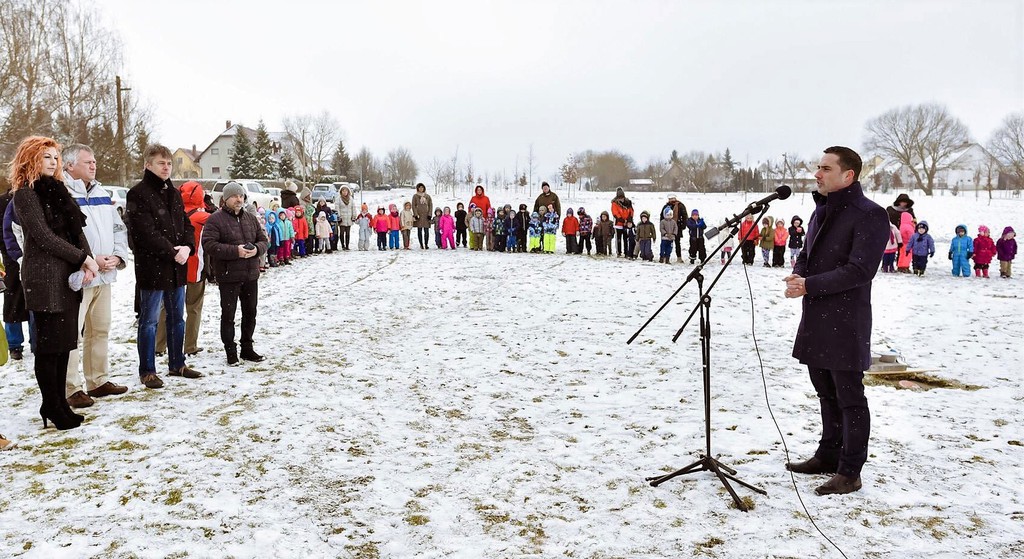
<point x="187" y="372"/>
<point x="814" y="465"/>
<point x="108" y="389"/>
<point x="839" y="485"/>
<point x="6" y="444"/>
<point x="80" y="400"/>
<point x="152" y="381"/>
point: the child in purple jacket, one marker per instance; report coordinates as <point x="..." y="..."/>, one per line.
<point x="1006" y="249"/>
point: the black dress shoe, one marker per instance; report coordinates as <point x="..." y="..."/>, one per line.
<point x="814" y="465"/>
<point x="249" y="355"/>
<point x="839" y="485"/>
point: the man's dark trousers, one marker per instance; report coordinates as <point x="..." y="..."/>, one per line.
<point x="845" y="419"/>
<point x="230" y="294"/>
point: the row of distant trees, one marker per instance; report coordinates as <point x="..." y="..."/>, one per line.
<point x="58" y="68"/>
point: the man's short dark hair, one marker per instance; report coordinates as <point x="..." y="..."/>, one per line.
<point x="153" y="151"/>
<point x="849" y="160"/>
<point x="545" y="183"/>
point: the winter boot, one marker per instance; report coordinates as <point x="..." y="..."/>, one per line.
<point x="232" y="354"/>
<point x="985" y="272"/>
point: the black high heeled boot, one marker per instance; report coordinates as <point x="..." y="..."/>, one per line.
<point x="51" y="409"/>
<point x="60" y="373"/>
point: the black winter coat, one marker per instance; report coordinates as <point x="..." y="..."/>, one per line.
<point x="55" y="245"/>
<point x="846" y="236"/>
<point x="156" y="224"/>
<point x="222" y="234"/>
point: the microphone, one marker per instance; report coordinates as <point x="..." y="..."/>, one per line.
<point x="781" y="193"/>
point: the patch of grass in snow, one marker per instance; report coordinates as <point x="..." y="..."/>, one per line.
<point x="54" y="445"/>
<point x="747" y="500"/>
<point x="367" y="550"/>
<point x="757" y="452"/>
<point x="424" y="491"/>
<point x="39" y="468"/>
<point x="1000" y="422"/>
<point x="173" y="497"/>
<point x="705" y="546"/>
<point x="1015" y="443"/>
<point x="413" y="518"/>
<point x="354" y="450"/>
<point x="134" y="424"/>
<point x="490" y="515"/>
<point x="126" y="445"/>
<point x="659" y="504"/>
<point x="932" y="524"/>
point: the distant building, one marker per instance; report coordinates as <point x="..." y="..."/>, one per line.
<point x="185" y="165"/>
<point x="216" y="158"/>
<point x="640" y="185"/>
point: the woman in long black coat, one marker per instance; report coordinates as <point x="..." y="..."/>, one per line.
<point x="55" y="248"/>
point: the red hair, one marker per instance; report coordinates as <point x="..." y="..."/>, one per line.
<point x="27" y="165"/>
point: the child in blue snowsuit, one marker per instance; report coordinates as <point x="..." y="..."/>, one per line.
<point x="535" y="230"/>
<point x="922" y="247"/>
<point x="961" y="250"/>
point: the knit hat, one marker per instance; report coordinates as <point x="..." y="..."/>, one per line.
<point x="232" y="189"/>
<point x="694" y="212"/>
<point x="291" y="186"/>
<point x="644" y="214"/>
<point x="667" y="213"/>
<point x="581" y="211"/>
<point x="983" y="229"/>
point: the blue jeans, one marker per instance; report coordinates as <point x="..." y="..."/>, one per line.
<point x="394" y="239"/>
<point x="16" y="337"/>
<point x="150" y="301"/>
<point x="666" y="248"/>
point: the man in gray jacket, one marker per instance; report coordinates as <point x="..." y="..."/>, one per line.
<point x="108" y="239"/>
<point x="234" y="240"/>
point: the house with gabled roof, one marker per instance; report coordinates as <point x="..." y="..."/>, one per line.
<point x="185" y="164"/>
<point x="216" y="158"/>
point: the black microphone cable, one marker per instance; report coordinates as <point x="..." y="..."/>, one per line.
<point x="785" y="447"/>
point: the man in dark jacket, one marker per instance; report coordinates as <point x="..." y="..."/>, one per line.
<point x="680" y="215"/>
<point x="546" y="197"/>
<point x="235" y="240"/>
<point x="162" y="239"/>
<point x="846" y="236"/>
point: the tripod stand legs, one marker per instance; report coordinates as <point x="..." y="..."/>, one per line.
<point x="724" y="473"/>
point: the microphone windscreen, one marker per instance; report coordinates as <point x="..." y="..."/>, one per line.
<point x="784" y="192"/>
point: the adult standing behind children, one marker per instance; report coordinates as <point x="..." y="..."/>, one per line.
<point x="345" y="207"/>
<point x="546" y="198"/>
<point x="108" y="240"/>
<point x="234" y="240"/>
<point x="679" y="214"/>
<point x="903" y="204"/>
<point x="289" y="196"/>
<point x="422" y="209"/>
<point x="622" y="211"/>
<point x="162" y="238"/>
<point x="846" y="235"/>
<point x="480" y="200"/>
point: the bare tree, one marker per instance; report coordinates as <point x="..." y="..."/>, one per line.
<point x="469" y="176"/>
<point x="921" y="137"/>
<point x="1007" y="145"/>
<point x="441" y="173"/>
<point x="79" y="61"/>
<point x="315" y="137"/>
<point x="365" y="164"/>
<point x="27" y="93"/>
<point x="655" y="170"/>
<point x="399" y="167"/>
<point x="531" y="167"/>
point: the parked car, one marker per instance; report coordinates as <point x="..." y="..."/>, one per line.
<point x="254" y="192"/>
<point x="118" y="195"/>
<point x="352" y="186"/>
<point x="326" y="191"/>
<point x="273" y="191"/>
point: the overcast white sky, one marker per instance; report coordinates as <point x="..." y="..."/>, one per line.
<point x="642" y="76"/>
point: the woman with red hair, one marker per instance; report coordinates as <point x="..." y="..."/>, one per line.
<point x="55" y="250"/>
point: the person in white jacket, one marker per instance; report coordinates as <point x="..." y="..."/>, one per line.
<point x="108" y="239"/>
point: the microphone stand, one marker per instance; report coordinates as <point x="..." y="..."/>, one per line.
<point x="706" y="462"/>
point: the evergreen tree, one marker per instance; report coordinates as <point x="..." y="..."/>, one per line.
<point x="728" y="163"/>
<point x="341" y="163"/>
<point x="262" y="152"/>
<point x="286" y="167"/>
<point x="242" y="159"/>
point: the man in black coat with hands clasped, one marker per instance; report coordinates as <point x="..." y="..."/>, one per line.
<point x="846" y="236"/>
<point x="235" y="240"/>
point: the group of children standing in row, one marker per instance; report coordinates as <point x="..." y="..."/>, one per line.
<point x="506" y="229"/>
<point x="920" y="246"/>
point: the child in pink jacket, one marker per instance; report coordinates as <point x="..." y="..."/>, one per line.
<point x="380" y="225"/>
<point x="447" y="225"/>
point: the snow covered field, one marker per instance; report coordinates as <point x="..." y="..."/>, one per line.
<point x="456" y="404"/>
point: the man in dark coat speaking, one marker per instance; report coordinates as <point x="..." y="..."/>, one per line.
<point x="846" y="237"/>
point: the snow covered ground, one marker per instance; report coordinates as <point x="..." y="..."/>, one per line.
<point x="456" y="404"/>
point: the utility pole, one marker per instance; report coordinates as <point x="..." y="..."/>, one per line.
<point x="122" y="154"/>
